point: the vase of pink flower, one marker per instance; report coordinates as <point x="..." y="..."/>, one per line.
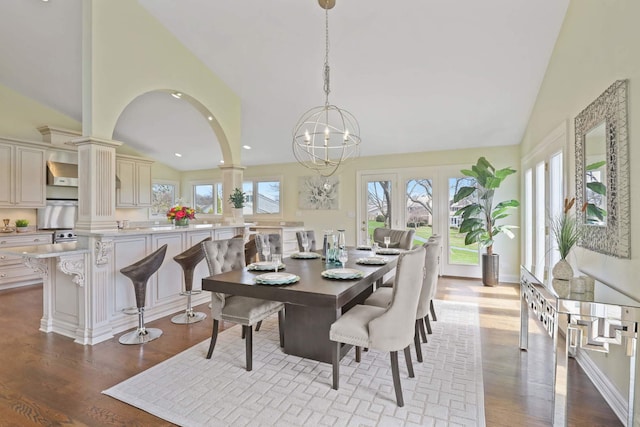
<point x="180" y="215"/>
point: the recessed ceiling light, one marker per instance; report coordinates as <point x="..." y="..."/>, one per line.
<point x="222" y="161"/>
<point x="176" y="95"/>
<point x="246" y="147"/>
<point x="210" y="118"/>
<point x="177" y="154"/>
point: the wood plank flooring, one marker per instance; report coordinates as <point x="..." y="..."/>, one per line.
<point x="48" y="380"/>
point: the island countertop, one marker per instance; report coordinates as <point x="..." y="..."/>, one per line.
<point x="46" y="251"/>
<point x="159" y="229"/>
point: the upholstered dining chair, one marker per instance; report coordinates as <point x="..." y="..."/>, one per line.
<point x="401" y="239"/>
<point x="386" y="329"/>
<point x="436" y="238"/>
<point x="227" y="255"/>
<point x="275" y="244"/>
<point x="383" y="297"/>
<point x="311" y="238"/>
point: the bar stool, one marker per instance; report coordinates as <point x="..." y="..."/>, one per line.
<point x="188" y="260"/>
<point x="139" y="274"/>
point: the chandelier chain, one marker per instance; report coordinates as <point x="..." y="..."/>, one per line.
<point x="327" y="88"/>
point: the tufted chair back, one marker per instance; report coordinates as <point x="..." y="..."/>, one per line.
<point x="394" y="329"/>
<point x="223" y="256"/>
<point x="311" y="237"/>
<point x="401" y="239"/>
<point x="273" y="240"/>
<point x="430" y="281"/>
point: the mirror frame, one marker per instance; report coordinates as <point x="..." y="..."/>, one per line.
<point x="611" y="108"/>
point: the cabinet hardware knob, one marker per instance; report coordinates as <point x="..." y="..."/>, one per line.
<point x="3" y="275"/>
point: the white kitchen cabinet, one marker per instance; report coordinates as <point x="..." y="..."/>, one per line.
<point x="22" y="176"/>
<point x="135" y="182"/>
<point x="13" y="272"/>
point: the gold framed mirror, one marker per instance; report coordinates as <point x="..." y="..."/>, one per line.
<point x="602" y="173"/>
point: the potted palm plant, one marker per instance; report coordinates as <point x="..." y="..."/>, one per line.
<point x="480" y="216"/>
<point x="566" y="233"/>
<point x="237" y="199"/>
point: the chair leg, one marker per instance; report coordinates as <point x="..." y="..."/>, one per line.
<point x="433" y="311"/>
<point x="428" y="323"/>
<point x="407" y="357"/>
<point x="243" y="332"/>
<point x="423" y="333"/>
<point x="416" y="341"/>
<point x="214" y="337"/>
<point x="358" y="354"/>
<point x="396" y="378"/>
<point x="248" y="338"/>
<point x="281" y="327"/>
<point x="258" y="325"/>
<point x="335" y="361"/>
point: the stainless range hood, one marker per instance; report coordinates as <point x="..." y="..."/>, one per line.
<point x="62" y="174"/>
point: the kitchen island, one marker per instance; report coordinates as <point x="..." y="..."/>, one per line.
<point x="85" y="297"/>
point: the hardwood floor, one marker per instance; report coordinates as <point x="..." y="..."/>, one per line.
<point x="48" y="380"/>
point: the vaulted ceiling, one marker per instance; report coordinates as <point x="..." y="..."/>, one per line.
<point x="419" y="75"/>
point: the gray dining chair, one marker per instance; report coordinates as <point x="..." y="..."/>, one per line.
<point x="227" y="255"/>
<point x="386" y="329"/>
<point x="383" y="297"/>
<point x="273" y="240"/>
<point x="311" y="238"/>
<point x="437" y="238"/>
<point x="401" y="239"/>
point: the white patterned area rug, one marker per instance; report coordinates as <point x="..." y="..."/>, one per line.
<point x="283" y="390"/>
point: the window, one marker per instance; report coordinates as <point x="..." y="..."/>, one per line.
<point x="263" y="197"/>
<point x="207" y="198"/>
<point x="163" y="196"/>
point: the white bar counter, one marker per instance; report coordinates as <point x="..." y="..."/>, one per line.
<point x="85" y="297"/>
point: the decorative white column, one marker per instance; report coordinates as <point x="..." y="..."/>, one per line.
<point x="96" y="184"/>
<point x="231" y="179"/>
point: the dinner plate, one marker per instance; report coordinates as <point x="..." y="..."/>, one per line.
<point x="342" y="273"/>
<point x="363" y="247"/>
<point x="264" y="266"/>
<point x="276" y="279"/>
<point x="389" y="251"/>
<point x="305" y="255"/>
<point x="373" y="260"/>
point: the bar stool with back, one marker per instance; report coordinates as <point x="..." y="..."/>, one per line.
<point x="189" y="260"/>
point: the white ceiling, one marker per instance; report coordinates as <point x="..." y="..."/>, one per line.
<point x="419" y="75"/>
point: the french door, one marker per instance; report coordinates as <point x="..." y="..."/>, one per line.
<point x="420" y="199"/>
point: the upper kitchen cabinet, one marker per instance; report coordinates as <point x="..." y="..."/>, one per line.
<point x="134" y="175"/>
<point x="22" y="176"/>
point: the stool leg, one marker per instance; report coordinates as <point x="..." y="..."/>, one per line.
<point x="189" y="316"/>
<point x="142" y="334"/>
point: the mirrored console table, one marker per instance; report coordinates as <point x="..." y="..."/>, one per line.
<point x="592" y="321"/>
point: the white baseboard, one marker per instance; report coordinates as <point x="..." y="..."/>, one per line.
<point x="607" y="389"/>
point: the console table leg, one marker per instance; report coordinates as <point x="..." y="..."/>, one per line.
<point x="524" y="319"/>
<point x="561" y="356"/>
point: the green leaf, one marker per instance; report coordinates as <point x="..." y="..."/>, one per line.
<point x="496" y="215"/>
<point x="492" y="182"/>
<point x="462" y="193"/>
<point x="470" y="224"/>
<point x="508" y="204"/>
<point x="473" y="237"/>
<point x="503" y="173"/>
<point x="594" y="166"/>
<point x="595" y="212"/>
<point x="597" y="187"/>
<point x="484" y="163"/>
<point x="471" y="211"/>
<point x="467" y="172"/>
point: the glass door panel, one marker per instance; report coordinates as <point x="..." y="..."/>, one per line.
<point x="419" y="208"/>
<point x="459" y="252"/>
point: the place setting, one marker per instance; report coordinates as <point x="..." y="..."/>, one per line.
<point x="305" y="255"/>
<point x="276" y="279"/>
<point x="342" y="273"/>
<point x="372" y="260"/>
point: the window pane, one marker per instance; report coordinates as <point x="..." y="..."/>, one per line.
<point x="540" y="200"/>
<point x="268" y="200"/>
<point x="420" y="209"/>
<point x="219" y="201"/>
<point x="247" y="187"/>
<point x="203" y="198"/>
<point x="162" y="198"/>
<point x="378" y="205"/>
<point x="459" y="253"/>
<point x="528" y="219"/>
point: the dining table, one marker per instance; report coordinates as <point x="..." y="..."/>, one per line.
<point x="313" y="302"/>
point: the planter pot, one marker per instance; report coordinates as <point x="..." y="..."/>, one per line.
<point x="238" y="216"/>
<point x="562" y="270"/>
<point x="181" y="222"/>
<point x="22" y="229"/>
<point x="490" y="269"/>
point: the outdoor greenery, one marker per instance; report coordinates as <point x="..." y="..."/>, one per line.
<point x="479" y="216"/>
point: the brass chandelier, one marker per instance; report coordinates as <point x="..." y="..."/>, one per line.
<point x="326" y="136"/>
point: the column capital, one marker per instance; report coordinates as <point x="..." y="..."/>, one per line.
<point x="85" y="140"/>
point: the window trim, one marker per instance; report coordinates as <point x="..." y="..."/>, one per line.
<point x="260" y="179"/>
<point x="214" y="183"/>
<point x="176" y="192"/>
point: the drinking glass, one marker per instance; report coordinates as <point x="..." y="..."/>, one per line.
<point x="276" y="259"/>
<point x="343" y="257"/>
<point x="374" y="248"/>
<point x="387" y="240"/>
<point x="305" y="242"/>
<point x="266" y="247"/>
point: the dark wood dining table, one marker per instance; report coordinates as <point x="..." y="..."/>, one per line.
<point x="313" y="303"/>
